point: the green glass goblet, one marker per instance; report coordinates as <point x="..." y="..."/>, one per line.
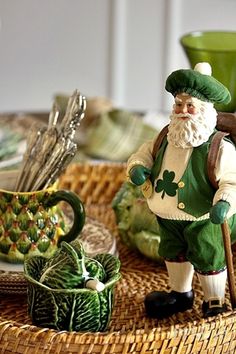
<point x="218" y="48"/>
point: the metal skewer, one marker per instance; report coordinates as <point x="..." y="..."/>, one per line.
<point x="50" y="150"/>
<point x="32" y="139"/>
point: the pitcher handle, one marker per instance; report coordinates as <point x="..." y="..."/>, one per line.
<point x="78" y="210"/>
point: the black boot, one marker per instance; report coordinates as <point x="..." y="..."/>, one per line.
<point x="160" y="304"/>
<point x="213" y="308"/>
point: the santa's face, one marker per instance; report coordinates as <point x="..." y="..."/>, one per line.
<point x="186" y="104"/>
<point x="192" y="122"/>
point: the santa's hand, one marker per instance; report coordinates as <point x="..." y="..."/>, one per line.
<point x="219" y="212"/>
<point x="139" y="174"/>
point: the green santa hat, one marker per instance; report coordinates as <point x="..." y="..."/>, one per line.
<point x="198" y="83"/>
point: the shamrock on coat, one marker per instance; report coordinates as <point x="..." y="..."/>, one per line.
<point x="166" y="185"/>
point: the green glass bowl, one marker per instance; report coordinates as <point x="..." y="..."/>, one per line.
<point x="219" y="49"/>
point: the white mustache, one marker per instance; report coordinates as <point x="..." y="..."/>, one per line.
<point x="181" y="115"/>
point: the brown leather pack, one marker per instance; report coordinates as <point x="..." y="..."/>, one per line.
<point x="226" y="126"/>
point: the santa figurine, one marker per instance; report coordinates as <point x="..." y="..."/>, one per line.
<point x="189" y="210"/>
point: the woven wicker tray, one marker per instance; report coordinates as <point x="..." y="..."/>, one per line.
<point x="130" y="331"/>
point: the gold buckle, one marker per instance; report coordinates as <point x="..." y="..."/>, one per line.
<point x="215" y="302"/>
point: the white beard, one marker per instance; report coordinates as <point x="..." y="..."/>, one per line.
<point x="194" y="131"/>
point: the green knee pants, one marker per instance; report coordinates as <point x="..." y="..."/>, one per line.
<point x="199" y="242"/>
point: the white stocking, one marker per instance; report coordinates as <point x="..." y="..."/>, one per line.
<point x="180" y="276"/>
<point x="213" y="286"/>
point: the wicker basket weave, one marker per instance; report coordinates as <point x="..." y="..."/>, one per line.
<point x="130" y="331"/>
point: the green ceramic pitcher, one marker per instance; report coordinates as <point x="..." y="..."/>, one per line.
<point x="32" y="223"/>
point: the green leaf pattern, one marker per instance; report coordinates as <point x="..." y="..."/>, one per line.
<point x="56" y="298"/>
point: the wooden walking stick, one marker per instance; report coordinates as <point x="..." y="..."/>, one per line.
<point x="229" y="262"/>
